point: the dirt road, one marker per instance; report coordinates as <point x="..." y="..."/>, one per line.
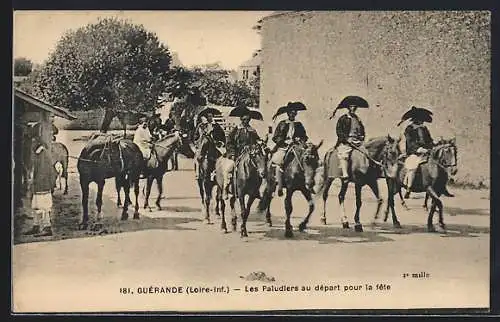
<point x="324" y="268"/>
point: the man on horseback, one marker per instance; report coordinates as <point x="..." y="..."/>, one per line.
<point x="208" y="128"/>
<point x="350" y="132"/>
<point x="241" y="136"/>
<point x="417" y="142"/>
<point x="287" y="132"/>
<point x="143" y="138"/>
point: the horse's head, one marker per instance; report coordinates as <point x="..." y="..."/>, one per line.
<point x="258" y="157"/>
<point x="445" y="153"/>
<point x="390" y="156"/>
<point x="208" y="147"/>
<point x="310" y="162"/>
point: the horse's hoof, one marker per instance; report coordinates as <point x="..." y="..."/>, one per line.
<point x="431" y="229"/>
<point x="358" y="228"/>
<point x="397" y="225"/>
<point x="124" y="217"/>
<point x="302" y="227"/>
<point x="158" y="208"/>
<point x="345" y="225"/>
<point x="83" y="226"/>
<point x="243" y="234"/>
<point x="443" y="226"/>
<point x="288" y="233"/>
<point x="136" y="216"/>
<point x="323" y="221"/>
<point x="207" y="221"/>
<point x="269" y="223"/>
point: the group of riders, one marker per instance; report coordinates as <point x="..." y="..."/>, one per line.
<point x="416" y="141"/>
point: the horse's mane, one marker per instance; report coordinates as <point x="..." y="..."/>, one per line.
<point x="376" y="145"/>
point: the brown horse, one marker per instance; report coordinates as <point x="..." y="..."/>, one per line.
<point x="206" y="170"/>
<point x="301" y="162"/>
<point x="363" y="170"/>
<point x="431" y="176"/>
<point x="249" y="171"/>
<point x="156" y="166"/>
<point x="106" y="157"/>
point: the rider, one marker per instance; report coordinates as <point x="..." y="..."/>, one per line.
<point x="211" y="129"/>
<point x="287" y="131"/>
<point x="143" y="137"/>
<point x="418" y="142"/>
<point x="241" y="136"/>
<point x="350" y="132"/>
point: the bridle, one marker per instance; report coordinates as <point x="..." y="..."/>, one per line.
<point x="437" y="155"/>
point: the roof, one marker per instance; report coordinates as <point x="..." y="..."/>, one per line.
<point x="57" y="111"/>
<point x="256" y="60"/>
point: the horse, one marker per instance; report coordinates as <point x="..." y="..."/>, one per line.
<point x="249" y="171"/>
<point x="157" y="164"/>
<point x="206" y="170"/>
<point x="299" y="169"/>
<point x="106" y="157"/>
<point x="431" y="176"/>
<point x="60" y="157"/>
<point x="363" y="170"/>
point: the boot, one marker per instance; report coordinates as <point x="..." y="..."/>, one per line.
<point x="410" y="175"/>
<point x="279" y="180"/>
<point x="344" y="165"/>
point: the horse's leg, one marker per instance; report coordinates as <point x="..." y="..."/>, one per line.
<point x="401" y="198"/>
<point x="98" y="201"/>
<point x="234" y="218"/>
<point x="268" y="195"/>
<point x="159" y="185"/>
<point x="84" y="184"/>
<point x="288" y="210"/>
<point x="248" y="207"/>
<point x="65" y="185"/>
<point x="118" y="187"/>
<point x="220" y="200"/>
<point x="135" y="182"/>
<point x="390" y="204"/>
<point x="435" y="203"/>
<point x="374" y="187"/>
<point x="307" y="195"/>
<point x="342" y="193"/>
<point x="208" y="197"/>
<point x="202" y="193"/>
<point x="328" y="184"/>
<point x="358" y="227"/>
<point x="149" y="183"/>
<point x="243" y="229"/>
<point x="425" y="201"/>
<point x="390" y="197"/>
<point x="126" y="203"/>
<point x="217" y="200"/>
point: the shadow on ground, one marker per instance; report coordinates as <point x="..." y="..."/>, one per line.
<point x="67" y="212"/>
<point x="455" y="211"/>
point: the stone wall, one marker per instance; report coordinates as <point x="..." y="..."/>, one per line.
<point x="439" y="60"/>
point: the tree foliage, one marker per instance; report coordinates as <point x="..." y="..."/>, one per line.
<point x="111" y="64"/>
<point x="22" y="66"/>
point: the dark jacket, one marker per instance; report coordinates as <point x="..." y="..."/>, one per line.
<point x="217" y="133"/>
<point x="417" y="137"/>
<point x="344" y="127"/>
<point x="239" y="137"/>
<point x="43" y="172"/>
<point x="282" y="130"/>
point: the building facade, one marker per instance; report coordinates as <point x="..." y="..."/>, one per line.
<point x="437" y="60"/>
<point x="250" y="68"/>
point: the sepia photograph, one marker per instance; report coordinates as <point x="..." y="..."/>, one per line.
<point x="250" y="161"/>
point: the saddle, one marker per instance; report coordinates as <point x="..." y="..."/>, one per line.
<point x="332" y="163"/>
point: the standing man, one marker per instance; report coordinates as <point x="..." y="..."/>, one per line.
<point x="41" y="203"/>
<point x="287" y="132"/>
<point x="350" y="132"/>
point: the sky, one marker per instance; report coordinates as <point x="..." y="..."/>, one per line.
<point x="198" y="37"/>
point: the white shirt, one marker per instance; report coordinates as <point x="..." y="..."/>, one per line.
<point x="142" y="136"/>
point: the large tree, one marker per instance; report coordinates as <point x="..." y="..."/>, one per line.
<point x="112" y="64"/>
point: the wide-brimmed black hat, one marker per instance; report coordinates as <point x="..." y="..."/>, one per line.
<point x="291" y="106"/>
<point x="207" y="110"/>
<point x="417" y="113"/>
<point x="242" y="110"/>
<point x="353" y="101"/>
